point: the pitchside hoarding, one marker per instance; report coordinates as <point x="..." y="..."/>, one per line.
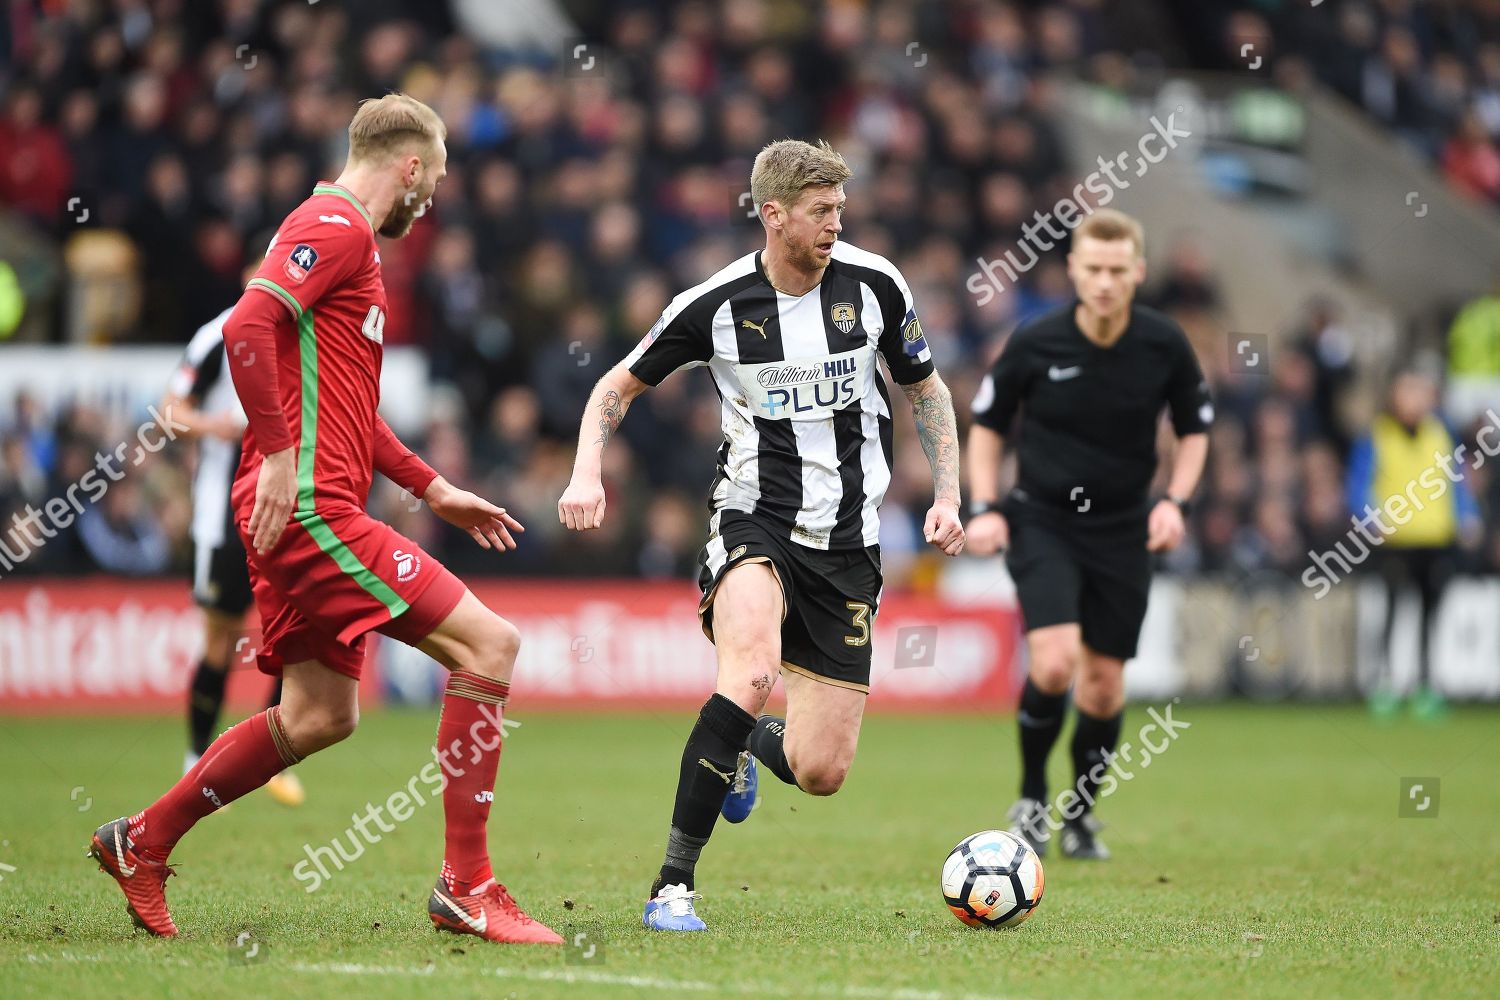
<point x="105" y="645"/>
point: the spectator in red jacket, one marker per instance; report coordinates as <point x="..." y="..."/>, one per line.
<point x="35" y="169"/>
<point x="1471" y="162"/>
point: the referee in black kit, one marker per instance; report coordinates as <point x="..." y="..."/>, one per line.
<point x="1091" y="380"/>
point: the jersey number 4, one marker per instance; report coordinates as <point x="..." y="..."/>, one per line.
<point x="374" y="327"/>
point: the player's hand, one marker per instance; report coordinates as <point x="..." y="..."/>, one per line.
<point x="988" y="534"/>
<point x="943" y="529"/>
<point x="582" y="506"/>
<point x="487" y="524"/>
<point x="1165" y="529"/>
<point x="275" y="498"/>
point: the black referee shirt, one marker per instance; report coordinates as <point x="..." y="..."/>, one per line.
<point x="1088" y="413"/>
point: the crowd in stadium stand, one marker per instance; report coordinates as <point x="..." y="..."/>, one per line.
<point x="1428" y="72"/>
<point x="579" y="201"/>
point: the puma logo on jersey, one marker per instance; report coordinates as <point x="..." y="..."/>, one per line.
<point x="726" y="775"/>
<point x="339" y="219"/>
<point x="1057" y="374"/>
<point x="759" y="328"/>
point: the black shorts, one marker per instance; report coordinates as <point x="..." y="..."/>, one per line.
<point x="830" y="598"/>
<point x="221" y="577"/>
<point x="1068" y="569"/>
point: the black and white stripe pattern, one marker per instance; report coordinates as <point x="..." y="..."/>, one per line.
<point x="805" y="412"/>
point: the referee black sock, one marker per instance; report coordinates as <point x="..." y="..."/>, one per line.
<point x="205" y="699"/>
<point x="1039" y="717"/>
<point x="708" y="762"/>
<point x="1094" y="739"/>
<point x="767" y="743"/>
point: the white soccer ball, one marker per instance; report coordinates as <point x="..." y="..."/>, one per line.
<point x="992" y="879"/>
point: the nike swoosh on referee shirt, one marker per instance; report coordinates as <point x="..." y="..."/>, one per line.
<point x="1057" y="374"/>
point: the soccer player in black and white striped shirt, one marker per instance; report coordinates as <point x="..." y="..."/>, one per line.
<point x="791" y="573"/>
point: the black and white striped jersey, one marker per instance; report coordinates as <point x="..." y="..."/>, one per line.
<point x="203" y="377"/>
<point x="804" y="410"/>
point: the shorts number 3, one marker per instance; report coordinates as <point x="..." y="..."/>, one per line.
<point x="861" y="622"/>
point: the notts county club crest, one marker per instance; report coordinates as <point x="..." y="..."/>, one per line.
<point x="843" y="316"/>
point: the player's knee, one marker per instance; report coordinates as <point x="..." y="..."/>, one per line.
<point x="822" y="778"/>
<point x="505" y="646"/>
<point x="494" y="655"/>
<point x="339" y="725"/>
<point x="1053" y="669"/>
<point x="321" y="727"/>
<point x="1099" y="693"/>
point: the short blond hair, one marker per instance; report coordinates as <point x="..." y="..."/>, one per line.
<point x="385" y="125"/>
<point x="1109" y="224"/>
<point x="787" y="166"/>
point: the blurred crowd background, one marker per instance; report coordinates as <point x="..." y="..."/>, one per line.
<point x="586" y="187"/>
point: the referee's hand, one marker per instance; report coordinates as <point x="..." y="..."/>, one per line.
<point x="989" y="533"/>
<point x="1164" y="529"/>
<point x="943" y="529"/>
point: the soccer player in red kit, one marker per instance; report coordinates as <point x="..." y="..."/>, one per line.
<point x="304" y="350"/>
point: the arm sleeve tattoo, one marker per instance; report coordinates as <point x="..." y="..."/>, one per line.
<point x="937" y="428"/>
<point x="611" y="412"/>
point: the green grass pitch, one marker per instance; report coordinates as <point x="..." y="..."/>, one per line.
<point x="1261" y="855"/>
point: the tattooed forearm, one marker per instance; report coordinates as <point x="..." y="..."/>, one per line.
<point x="937" y="428"/>
<point x="611" y="412"/>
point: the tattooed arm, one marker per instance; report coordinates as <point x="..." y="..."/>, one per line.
<point x="937" y="428"/>
<point x="582" y="505"/>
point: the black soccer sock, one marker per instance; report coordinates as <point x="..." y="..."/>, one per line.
<point x="767" y="743"/>
<point x="708" y="762"/>
<point x="275" y="698"/>
<point x="1094" y="739"/>
<point x="1039" y="717"/>
<point x="205" y="699"/>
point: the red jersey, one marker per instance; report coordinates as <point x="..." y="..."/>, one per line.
<point x="317" y="306"/>
<point x="324" y="268"/>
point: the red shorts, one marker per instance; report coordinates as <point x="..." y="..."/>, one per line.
<point x="337" y="575"/>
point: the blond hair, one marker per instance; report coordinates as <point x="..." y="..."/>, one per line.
<point x="384" y="125"/>
<point x="787" y="166"/>
<point x="1108" y="225"/>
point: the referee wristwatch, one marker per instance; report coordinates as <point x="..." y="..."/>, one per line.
<point x="1184" y="504"/>
<point x="978" y="507"/>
